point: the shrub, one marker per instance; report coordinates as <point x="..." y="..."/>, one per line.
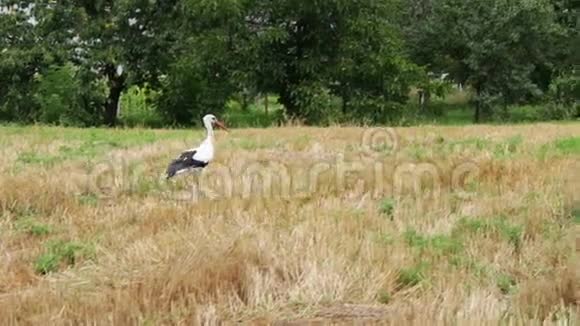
<point x="137" y="108"/>
<point x="559" y="111"/>
<point x="565" y="90"/>
<point x="58" y="95"/>
<point x="316" y="104"/>
<point x="375" y="110"/>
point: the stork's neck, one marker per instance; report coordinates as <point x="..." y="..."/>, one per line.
<point x="209" y="132"/>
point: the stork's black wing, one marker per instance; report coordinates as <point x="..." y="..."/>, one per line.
<point x="185" y="161"/>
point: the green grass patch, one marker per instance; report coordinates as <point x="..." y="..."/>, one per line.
<point x="437" y="244"/>
<point x="36" y="158"/>
<point x="96" y="143"/>
<point x="384" y="238"/>
<point x="502" y="149"/>
<point x="62" y="253"/>
<point x="508" y="148"/>
<point x="446" y="245"/>
<point x="451" y="111"/>
<point x="387" y="207"/>
<point x="563" y="146"/>
<point x="478" y="269"/>
<point x="252" y="144"/>
<point x="88" y="199"/>
<point x="474" y="143"/>
<point x="568" y="146"/>
<point x="145" y="185"/>
<point x="21" y="211"/>
<point x="507" y="230"/>
<point x="412" y="275"/>
<point x="478" y="144"/>
<point x="384" y="297"/>
<point x="91" y="143"/>
<point x="552" y="231"/>
<point x="506" y="283"/>
<point x="576" y="215"/>
<point x="253" y="119"/>
<point x="32" y="227"/>
<point x="414" y="239"/>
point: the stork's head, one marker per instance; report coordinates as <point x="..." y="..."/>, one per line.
<point x="211" y="120"/>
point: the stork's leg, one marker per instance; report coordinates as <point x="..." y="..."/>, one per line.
<point x="195" y="192"/>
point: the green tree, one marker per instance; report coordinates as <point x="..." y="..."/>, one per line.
<point x="20" y="61"/>
<point x="122" y="42"/>
<point x="203" y="73"/>
<point x="493" y="45"/>
<point x="313" y="52"/>
<point x="58" y="96"/>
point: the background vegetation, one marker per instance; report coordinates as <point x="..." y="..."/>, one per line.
<point x="167" y="63"/>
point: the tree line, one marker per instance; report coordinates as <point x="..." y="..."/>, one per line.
<point x="69" y="62"/>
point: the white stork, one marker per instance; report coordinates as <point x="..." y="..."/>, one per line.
<point x="196" y="159"/>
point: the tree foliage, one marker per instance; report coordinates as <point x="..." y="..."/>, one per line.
<point x="311" y="53"/>
<point x="506" y="50"/>
<point x="69" y="62"/>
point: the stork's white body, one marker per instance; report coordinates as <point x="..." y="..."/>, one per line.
<point x="205" y="151"/>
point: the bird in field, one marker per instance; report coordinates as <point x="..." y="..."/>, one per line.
<point x="195" y="159"/>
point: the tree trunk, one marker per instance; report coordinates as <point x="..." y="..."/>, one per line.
<point x="112" y="106"/>
<point x="294" y="76"/>
<point x="289" y="104"/>
<point x="245" y="103"/>
<point x="266" y="103"/>
<point x="424" y="99"/>
<point x="116" y="86"/>
<point x="244" y="100"/>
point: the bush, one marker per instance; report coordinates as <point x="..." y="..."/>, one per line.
<point x="253" y="119"/>
<point x="565" y="90"/>
<point x="198" y="83"/>
<point x="564" y="98"/>
<point x="535" y="113"/>
<point x="318" y="106"/>
<point x="559" y="111"/>
<point x="375" y="110"/>
<point x="59" y="96"/>
<point x="137" y="109"/>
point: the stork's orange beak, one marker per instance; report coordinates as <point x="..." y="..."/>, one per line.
<point x="221" y="125"/>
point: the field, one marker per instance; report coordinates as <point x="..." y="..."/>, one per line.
<point x="291" y="224"/>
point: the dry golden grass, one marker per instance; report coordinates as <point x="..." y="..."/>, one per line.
<point x="462" y="225"/>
